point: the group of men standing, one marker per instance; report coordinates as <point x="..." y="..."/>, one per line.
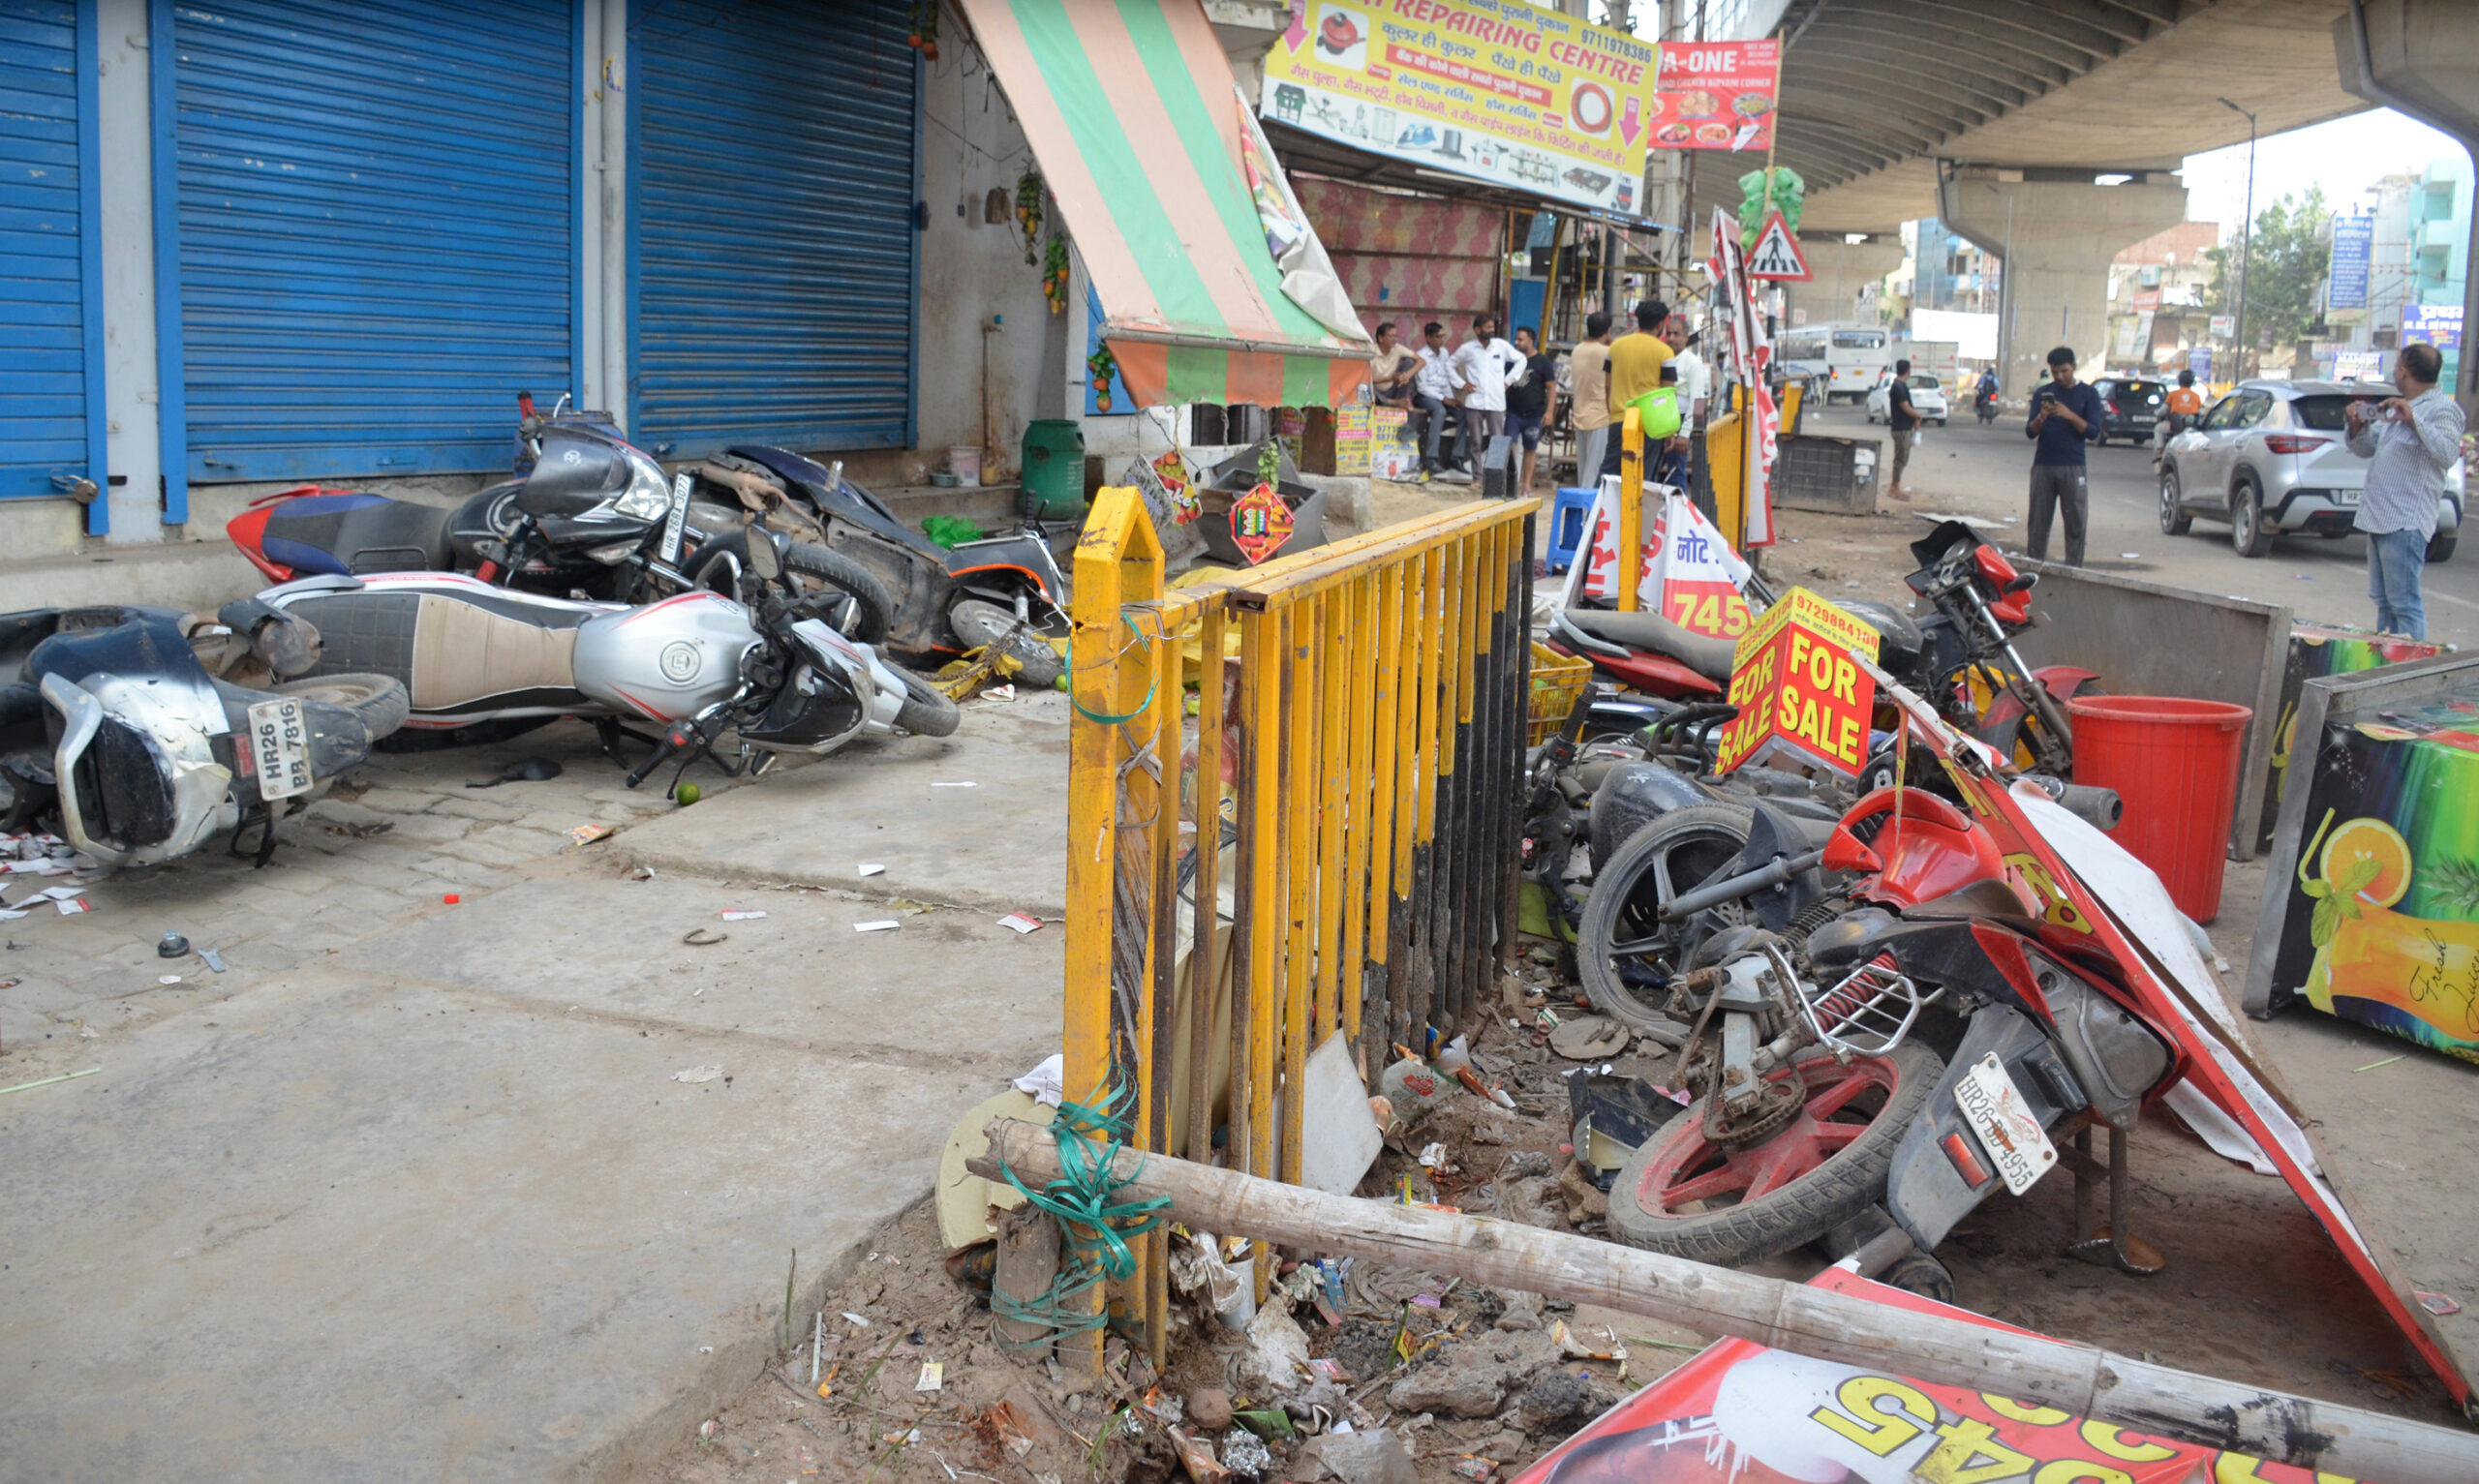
<point x="1490" y="387"/>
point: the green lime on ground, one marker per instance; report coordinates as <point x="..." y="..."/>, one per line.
<point x="688" y="795"/>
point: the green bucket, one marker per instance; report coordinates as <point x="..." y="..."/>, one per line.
<point x="1656" y="413"/>
<point x="1054" y="467"/>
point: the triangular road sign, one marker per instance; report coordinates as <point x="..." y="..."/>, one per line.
<point x="1776" y="253"/>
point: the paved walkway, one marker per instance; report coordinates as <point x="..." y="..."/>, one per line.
<point x="416" y="1190"/>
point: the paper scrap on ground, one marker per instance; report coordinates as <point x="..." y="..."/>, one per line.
<point x="873" y="869"/>
<point x="741" y="914"/>
<point x="955" y="785"/>
<point x="932" y="1377"/>
<point x="882" y="925"/>
<point x="697" y="1075"/>
<point x="587" y="835"/>
<point x="8" y="916"/>
<point x="72" y="906"/>
<point x="858" y="1322"/>
<point x="1020" y="922"/>
<point x="55" y="894"/>
<point x="1047" y="1082"/>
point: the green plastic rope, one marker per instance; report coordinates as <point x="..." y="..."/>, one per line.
<point x="1104" y="719"/>
<point x="1096" y="1225"/>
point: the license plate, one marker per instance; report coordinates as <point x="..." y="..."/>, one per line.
<point x="678" y="520"/>
<point x="2345" y="497"/>
<point x="280" y="746"/>
<point x="1994" y="1106"/>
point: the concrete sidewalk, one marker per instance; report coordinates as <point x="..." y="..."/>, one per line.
<point x="430" y="1201"/>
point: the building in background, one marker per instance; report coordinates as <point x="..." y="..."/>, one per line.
<point x="1951" y="272"/>
<point x="2419" y="241"/>
<point x="2158" y="297"/>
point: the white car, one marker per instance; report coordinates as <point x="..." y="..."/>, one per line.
<point x="1927" y="398"/>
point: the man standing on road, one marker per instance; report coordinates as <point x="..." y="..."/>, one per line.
<point x="1905" y="423"/>
<point x="1433" y="388"/>
<point x="2409" y="442"/>
<point x="1482" y="365"/>
<point x="2064" y="413"/>
<point x="1532" y="405"/>
<point x="1634" y="368"/>
<point x="1588" y="370"/>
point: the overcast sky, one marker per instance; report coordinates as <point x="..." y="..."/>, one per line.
<point x="2344" y="157"/>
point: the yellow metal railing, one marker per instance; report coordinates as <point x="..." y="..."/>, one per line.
<point x="1366" y="701"/>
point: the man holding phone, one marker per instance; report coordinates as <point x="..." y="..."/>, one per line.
<point x="2410" y="442"/>
<point x="2065" y="413"/>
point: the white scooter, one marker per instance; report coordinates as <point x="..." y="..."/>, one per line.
<point x="766" y="669"/>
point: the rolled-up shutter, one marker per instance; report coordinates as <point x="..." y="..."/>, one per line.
<point x="51" y="414"/>
<point x="773" y="192"/>
<point x="377" y="230"/>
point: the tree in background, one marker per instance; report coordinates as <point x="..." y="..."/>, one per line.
<point x="2286" y="278"/>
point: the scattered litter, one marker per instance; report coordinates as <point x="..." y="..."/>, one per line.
<point x="1478" y="1469"/>
<point x="11" y="981"/>
<point x="70" y="906"/>
<point x="587" y="835"/>
<point x="168" y="979"/>
<point x="697" y="1075"/>
<point x="883" y="924"/>
<point x="451" y="899"/>
<point x="531" y="770"/>
<point x="704" y="937"/>
<point x="873" y="869"/>
<point x="1433" y="1157"/>
<point x="2437" y="1303"/>
<point x="2131" y="556"/>
<point x="642" y="873"/>
<point x="1006" y="692"/>
<point x="48" y="1082"/>
<point x="951" y="784"/>
<point x="932" y="1377"/>
<point x="2371" y="1066"/>
<point x="1019" y="923"/>
<point x="172" y="946"/>
<point x="55" y="894"/>
<point x="213" y="959"/>
<point x="6" y="915"/>
<point x="1046" y="1082"/>
<point x="741" y="914"/>
<point x="1244" y="1452"/>
<point x="703" y="1350"/>
<point x="856" y="1321"/>
<point x="1589" y="1038"/>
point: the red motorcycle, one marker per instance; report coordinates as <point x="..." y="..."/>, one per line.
<point x="1933" y="1001"/>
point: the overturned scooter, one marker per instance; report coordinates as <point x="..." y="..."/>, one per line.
<point x="1891" y="1026"/>
<point x="116" y="736"/>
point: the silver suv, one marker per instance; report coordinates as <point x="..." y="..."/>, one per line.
<point x="2272" y="458"/>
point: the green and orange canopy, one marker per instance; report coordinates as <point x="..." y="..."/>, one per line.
<point x="1131" y="109"/>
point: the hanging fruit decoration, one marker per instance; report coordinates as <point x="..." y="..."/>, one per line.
<point x="1029" y="214"/>
<point x="924" y="29"/>
<point x="1102" y="368"/>
<point x="1055" y="274"/>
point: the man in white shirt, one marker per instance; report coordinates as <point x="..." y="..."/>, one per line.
<point x="1434" y="388"/>
<point x="2410" y="442"/>
<point x="1482" y="365"/>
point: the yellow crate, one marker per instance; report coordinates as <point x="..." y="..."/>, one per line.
<point x="1558" y="683"/>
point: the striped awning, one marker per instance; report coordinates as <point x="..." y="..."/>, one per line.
<point x="1140" y="130"/>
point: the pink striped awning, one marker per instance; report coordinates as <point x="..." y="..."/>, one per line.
<point x="1146" y="144"/>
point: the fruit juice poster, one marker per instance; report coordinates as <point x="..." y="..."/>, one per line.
<point x="2316" y="650"/>
<point x="2382" y="923"/>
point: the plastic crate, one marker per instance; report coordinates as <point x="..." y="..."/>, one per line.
<point x="1558" y="683"/>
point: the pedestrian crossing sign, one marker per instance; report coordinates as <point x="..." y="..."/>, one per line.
<point x="1776" y="254"/>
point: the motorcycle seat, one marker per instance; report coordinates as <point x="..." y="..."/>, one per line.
<point x="1654" y="634"/>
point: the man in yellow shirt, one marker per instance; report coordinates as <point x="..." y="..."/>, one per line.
<point x="1634" y="368"/>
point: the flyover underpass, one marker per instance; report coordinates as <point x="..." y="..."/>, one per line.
<point x="2002" y="116"/>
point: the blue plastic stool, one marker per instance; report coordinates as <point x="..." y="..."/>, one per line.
<point x="1569" y="510"/>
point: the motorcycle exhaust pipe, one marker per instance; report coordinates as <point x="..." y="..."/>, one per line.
<point x="1783" y="869"/>
<point x="2099" y="807"/>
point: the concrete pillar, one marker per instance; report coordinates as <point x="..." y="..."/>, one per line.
<point x="130" y="393"/>
<point x="2421" y="57"/>
<point x="1839" y="269"/>
<point x="2055" y="237"/>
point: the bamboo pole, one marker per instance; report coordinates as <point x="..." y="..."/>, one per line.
<point x="2082" y="1380"/>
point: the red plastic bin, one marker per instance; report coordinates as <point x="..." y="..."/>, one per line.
<point x="2175" y="763"/>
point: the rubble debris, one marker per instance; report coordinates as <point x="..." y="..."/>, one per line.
<point x="705" y="1073"/>
<point x="1277" y="1355"/>
<point x="1210" y="1408"/>
<point x="1378" y="1456"/>
<point x="1475" y="1378"/>
<point x="1589" y="1038"/>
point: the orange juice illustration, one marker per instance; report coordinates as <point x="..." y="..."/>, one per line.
<point x="2425" y="968"/>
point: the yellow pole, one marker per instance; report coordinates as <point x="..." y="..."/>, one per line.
<point x="1630" y="510"/>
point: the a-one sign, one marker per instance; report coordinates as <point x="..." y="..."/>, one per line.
<point x="2432" y="324"/>
<point x="1717" y="94"/>
<point x="1797" y="687"/>
<point x="1776" y="253"/>
<point x="2353" y="244"/>
<point x="1514" y="95"/>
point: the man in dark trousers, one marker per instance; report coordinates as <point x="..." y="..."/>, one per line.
<point x="2065" y="414"/>
<point x="1905" y="423"/>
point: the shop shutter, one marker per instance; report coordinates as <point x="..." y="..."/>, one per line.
<point x="772" y="176"/>
<point x="377" y="230"/>
<point x="52" y="413"/>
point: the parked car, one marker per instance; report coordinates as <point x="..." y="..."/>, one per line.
<point x="1927" y="398"/>
<point x="2272" y="458"/>
<point x="2130" y="406"/>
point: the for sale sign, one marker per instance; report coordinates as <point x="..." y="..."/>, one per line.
<point x="1798" y="689"/>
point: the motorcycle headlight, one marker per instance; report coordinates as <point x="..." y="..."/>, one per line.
<point x="649" y="496"/>
<point x="613" y="555"/>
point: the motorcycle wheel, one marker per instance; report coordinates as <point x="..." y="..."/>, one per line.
<point x="378" y="702"/>
<point x="1683" y="1194"/>
<point x="977" y="624"/>
<point x="821" y="566"/>
<point x="1623" y="936"/>
<point x="927" y="710"/>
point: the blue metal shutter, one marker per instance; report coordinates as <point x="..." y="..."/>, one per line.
<point x="771" y="281"/>
<point x="51" y="333"/>
<point x="376" y="226"/>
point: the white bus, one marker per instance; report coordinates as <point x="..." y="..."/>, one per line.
<point x="1845" y="360"/>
